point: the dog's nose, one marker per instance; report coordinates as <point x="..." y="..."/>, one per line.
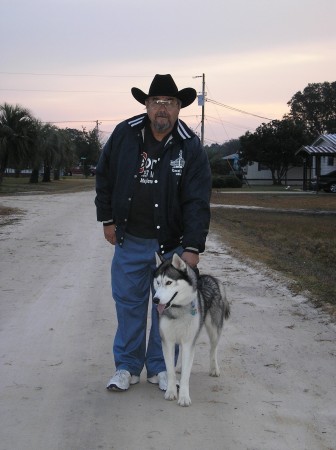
<point x="156" y="300"/>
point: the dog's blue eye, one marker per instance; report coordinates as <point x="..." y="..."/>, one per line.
<point x="168" y="282"/>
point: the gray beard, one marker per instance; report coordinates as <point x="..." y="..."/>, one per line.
<point x="161" y="126"/>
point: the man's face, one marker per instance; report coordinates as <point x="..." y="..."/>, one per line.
<point x="163" y="112"/>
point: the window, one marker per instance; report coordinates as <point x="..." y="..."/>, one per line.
<point x="330" y="160"/>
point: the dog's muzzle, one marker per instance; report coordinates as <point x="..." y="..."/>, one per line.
<point x="161" y="307"/>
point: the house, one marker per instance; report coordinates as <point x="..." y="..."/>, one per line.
<point x="233" y="161"/>
<point x="319" y="158"/>
<point x="258" y="174"/>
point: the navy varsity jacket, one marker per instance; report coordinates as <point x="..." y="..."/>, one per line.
<point x="182" y="185"/>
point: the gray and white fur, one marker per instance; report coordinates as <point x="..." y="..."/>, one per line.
<point x="186" y="302"/>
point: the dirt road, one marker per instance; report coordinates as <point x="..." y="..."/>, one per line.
<point x="277" y="390"/>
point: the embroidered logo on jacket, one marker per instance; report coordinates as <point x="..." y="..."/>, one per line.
<point x="178" y="164"/>
<point x="146" y="169"/>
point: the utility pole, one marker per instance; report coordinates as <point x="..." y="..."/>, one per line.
<point x="97" y="129"/>
<point x="201" y="102"/>
<point x="203" y="95"/>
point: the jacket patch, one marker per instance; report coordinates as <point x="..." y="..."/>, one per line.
<point x="178" y="164"/>
<point x="146" y="170"/>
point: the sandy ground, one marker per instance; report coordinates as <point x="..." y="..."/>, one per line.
<point x="277" y="390"/>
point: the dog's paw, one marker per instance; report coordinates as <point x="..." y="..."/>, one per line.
<point x="184" y="400"/>
<point x="171" y="394"/>
<point x="214" y="371"/>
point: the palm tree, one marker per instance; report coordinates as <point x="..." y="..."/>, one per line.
<point x="66" y="153"/>
<point x="16" y="136"/>
<point x="36" y="154"/>
<point x="51" y="148"/>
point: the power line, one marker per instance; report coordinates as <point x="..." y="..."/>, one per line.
<point x="118" y="120"/>
<point x="81" y="75"/>
<point x="236" y="109"/>
<point x="73" y="75"/>
<point x="219" y="117"/>
<point x="62" y="90"/>
<point x="72" y="121"/>
<point x="221" y="121"/>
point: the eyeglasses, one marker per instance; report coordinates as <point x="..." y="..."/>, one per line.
<point x="169" y="104"/>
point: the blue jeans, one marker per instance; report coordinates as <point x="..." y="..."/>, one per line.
<point x="132" y="271"/>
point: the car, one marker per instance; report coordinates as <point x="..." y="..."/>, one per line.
<point x="79" y="170"/>
<point x="327" y="182"/>
<point x="73" y="171"/>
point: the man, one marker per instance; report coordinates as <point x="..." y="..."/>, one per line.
<point x="153" y="185"/>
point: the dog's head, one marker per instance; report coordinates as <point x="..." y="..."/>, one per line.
<point x="175" y="283"/>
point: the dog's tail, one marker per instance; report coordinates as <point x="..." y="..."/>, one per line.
<point x="227" y="309"/>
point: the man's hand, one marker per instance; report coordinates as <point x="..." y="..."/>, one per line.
<point x="190" y="258"/>
<point x="110" y="235"/>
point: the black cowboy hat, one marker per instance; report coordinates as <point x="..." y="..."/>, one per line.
<point x="164" y="85"/>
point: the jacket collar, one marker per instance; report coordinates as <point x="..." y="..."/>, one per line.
<point x="180" y="130"/>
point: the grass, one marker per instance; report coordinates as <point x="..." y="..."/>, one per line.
<point x="295" y="236"/>
<point x="295" y="233"/>
<point x="76" y="183"/>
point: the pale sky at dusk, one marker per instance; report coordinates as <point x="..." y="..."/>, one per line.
<point x="74" y="61"/>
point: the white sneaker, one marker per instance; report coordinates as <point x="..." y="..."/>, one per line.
<point x="121" y="381"/>
<point x="161" y="379"/>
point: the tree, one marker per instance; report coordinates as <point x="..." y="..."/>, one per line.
<point x="49" y="144"/>
<point x="25" y="142"/>
<point x="53" y="150"/>
<point x="17" y="132"/>
<point x="217" y="163"/>
<point x="87" y="145"/>
<point x="66" y="154"/>
<point x="274" y="145"/>
<point x="35" y="156"/>
<point x="216" y="153"/>
<point x="316" y="107"/>
<point x="94" y="146"/>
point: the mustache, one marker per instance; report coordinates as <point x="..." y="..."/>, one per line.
<point x="162" y="114"/>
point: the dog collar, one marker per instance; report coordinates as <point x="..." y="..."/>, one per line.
<point x="193" y="308"/>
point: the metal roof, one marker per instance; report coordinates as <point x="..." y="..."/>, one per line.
<point x="318" y="150"/>
<point x="232" y="156"/>
<point x="328" y="139"/>
<point x="324" y="145"/>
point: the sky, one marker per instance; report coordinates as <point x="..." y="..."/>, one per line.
<point x="74" y="62"/>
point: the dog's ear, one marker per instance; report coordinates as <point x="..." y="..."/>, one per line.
<point x="178" y="263"/>
<point x="159" y="259"/>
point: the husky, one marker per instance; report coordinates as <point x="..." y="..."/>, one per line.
<point x="185" y="302"/>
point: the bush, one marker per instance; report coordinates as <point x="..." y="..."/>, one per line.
<point x="226" y="181"/>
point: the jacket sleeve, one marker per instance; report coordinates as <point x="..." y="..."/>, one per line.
<point x="195" y="198"/>
<point x="104" y="184"/>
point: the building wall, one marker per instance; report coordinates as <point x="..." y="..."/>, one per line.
<point x="328" y="163"/>
<point x="256" y="174"/>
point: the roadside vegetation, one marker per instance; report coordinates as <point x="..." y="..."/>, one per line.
<point x="27" y="144"/>
<point x="296" y="236"/>
<point x="298" y="240"/>
<point x="21" y="185"/>
<point x="274" y="144"/>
